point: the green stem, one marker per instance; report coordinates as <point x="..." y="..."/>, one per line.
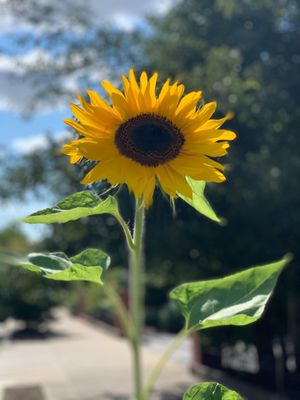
<point x="156" y="371"/>
<point x="119" y="308"/>
<point x="112" y="293"/>
<point x="126" y="231"/>
<point x="136" y="294"/>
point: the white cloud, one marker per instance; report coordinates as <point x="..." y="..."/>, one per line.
<point x="121" y="11"/>
<point x="29" y="145"/>
<point x="37" y="142"/>
<point x="64" y="11"/>
<point x="125" y="21"/>
<point x="19" y="84"/>
<point x="13" y="211"/>
<point x="36" y="79"/>
<point x="38" y="82"/>
<point x="19" y="91"/>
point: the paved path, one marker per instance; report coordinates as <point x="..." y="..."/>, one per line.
<point x="84" y="362"/>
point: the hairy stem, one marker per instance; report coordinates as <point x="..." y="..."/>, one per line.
<point x="156" y="371"/>
<point x="126" y="231"/>
<point x="119" y="308"/>
<point x="136" y="294"/>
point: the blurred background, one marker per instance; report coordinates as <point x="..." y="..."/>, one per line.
<point x="244" y="54"/>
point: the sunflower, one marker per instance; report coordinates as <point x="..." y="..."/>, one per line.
<point x="142" y="138"/>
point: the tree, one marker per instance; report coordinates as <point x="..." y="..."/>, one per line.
<point x="23" y="296"/>
<point x="245" y="55"/>
<point x="58" y="49"/>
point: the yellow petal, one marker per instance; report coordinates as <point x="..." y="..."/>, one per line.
<point x="188" y="103"/>
<point x="133" y="83"/>
<point x="152" y="86"/>
<point x="126" y="84"/>
<point x="109" y="169"/>
<point x="85" y="130"/>
<point x="209" y="175"/>
<point x="137" y="176"/>
<point x="74" y="158"/>
<point x="164" y="90"/>
<point x="110" y="88"/>
<point x="198" y="170"/>
<point x="178" y="90"/>
<point x="149" y="191"/>
<point x="121" y="105"/>
<point x="173" y="182"/>
<point x="96" y="100"/>
<point x="190" y="164"/>
<point x="201" y="117"/>
<point x="212" y="135"/>
<point x="143" y="82"/>
<point x="97" y="150"/>
<point x="95" y="174"/>
<point x="168" y="100"/>
<point x="149" y="99"/>
<point x="71" y="150"/>
<point x="84" y="103"/>
<point x="167" y="105"/>
<point x="216" y="123"/>
<point x="209" y="149"/>
<point x="133" y="93"/>
<point x="98" y="121"/>
<point x="100" y="118"/>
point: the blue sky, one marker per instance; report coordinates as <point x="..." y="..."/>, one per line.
<point x="15" y="127"/>
<point x="17" y="87"/>
<point x="20" y="135"/>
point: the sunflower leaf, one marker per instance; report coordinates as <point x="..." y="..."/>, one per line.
<point x="237" y="299"/>
<point x="210" y="391"/>
<point x="199" y="201"/>
<point x="76" y="206"/>
<point x="86" y="266"/>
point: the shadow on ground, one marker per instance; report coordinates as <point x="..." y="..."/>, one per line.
<point x="34" y="334"/>
<point x="175" y="394"/>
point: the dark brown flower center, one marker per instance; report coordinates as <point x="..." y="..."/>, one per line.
<point x="149" y="139"/>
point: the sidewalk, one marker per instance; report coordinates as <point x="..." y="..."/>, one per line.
<point x="83" y="362"/>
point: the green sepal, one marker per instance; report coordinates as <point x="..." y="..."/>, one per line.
<point x="73" y="207"/>
<point x="210" y="391"/>
<point x="199" y="202"/>
<point x="85" y="266"/>
<point x="237" y="299"/>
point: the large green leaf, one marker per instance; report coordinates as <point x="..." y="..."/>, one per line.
<point x="210" y="391"/>
<point x="199" y="201"/>
<point x="238" y="299"/>
<point x="76" y="206"/>
<point x="86" y="266"/>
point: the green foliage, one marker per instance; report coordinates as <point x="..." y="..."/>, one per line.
<point x="12" y="239"/>
<point x="244" y="55"/>
<point x="237" y="299"/>
<point x="210" y="391"/>
<point x="97" y="43"/>
<point x="86" y="266"/>
<point x="73" y="207"/>
<point x="26" y="296"/>
<point x="169" y="318"/>
<point x="23" y="296"/>
<point x="199" y="201"/>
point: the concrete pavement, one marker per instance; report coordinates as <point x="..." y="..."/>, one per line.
<point x="84" y="362"/>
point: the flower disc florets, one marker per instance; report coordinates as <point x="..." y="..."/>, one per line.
<point x="149" y="139"/>
<point x="140" y="137"/>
